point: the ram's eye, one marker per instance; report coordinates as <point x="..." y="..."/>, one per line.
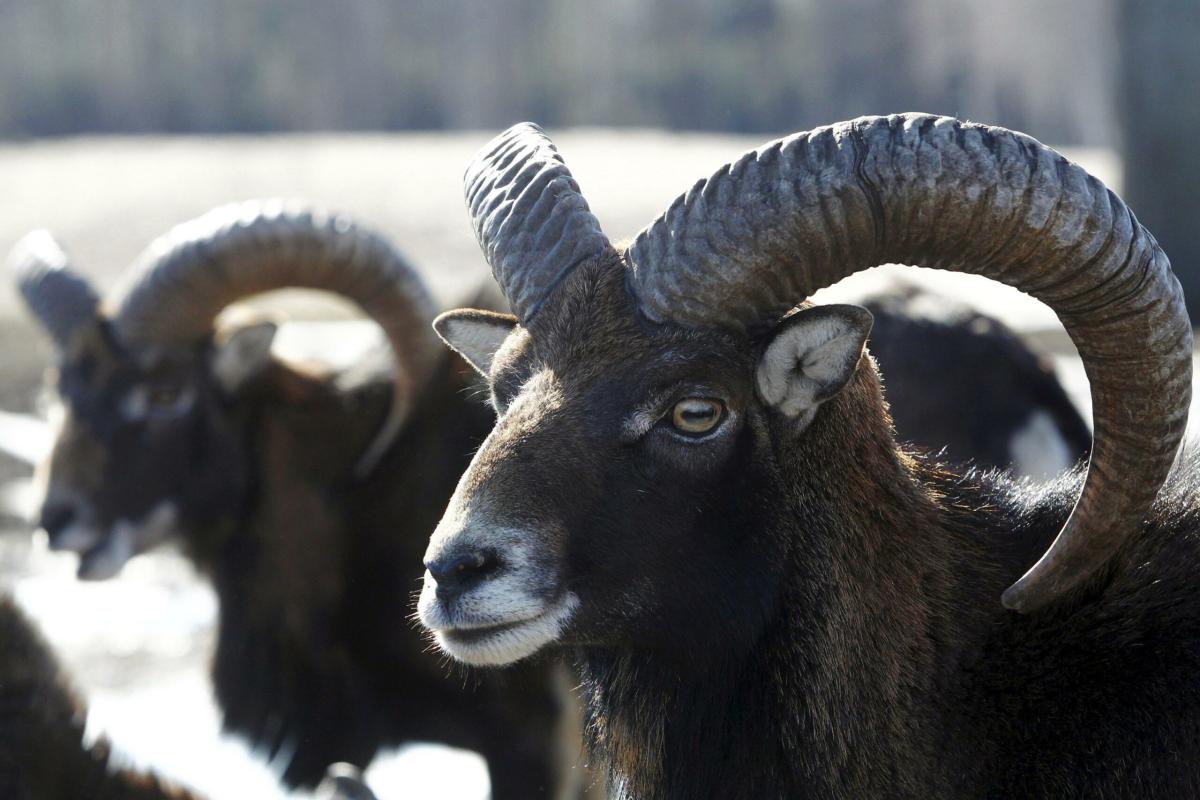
<point x="163" y="398"/>
<point x="696" y="416"/>
<point x="156" y="401"/>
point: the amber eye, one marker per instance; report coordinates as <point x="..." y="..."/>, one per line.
<point x="696" y="416"/>
<point x="162" y="397"/>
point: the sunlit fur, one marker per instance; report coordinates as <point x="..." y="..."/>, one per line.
<point x="42" y="752"/>
<point x="793" y="611"/>
<point x="315" y="571"/>
<point x="962" y="384"/>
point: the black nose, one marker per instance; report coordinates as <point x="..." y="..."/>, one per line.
<point x="456" y="572"/>
<point x="54" y="518"/>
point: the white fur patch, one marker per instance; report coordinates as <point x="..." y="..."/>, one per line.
<point x="499" y="600"/>
<point x="510" y="643"/>
<point x="644" y="417"/>
<point x="25" y="437"/>
<point x="513" y="601"/>
<point x="1038" y="449"/>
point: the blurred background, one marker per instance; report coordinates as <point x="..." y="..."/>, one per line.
<point x="123" y="118"/>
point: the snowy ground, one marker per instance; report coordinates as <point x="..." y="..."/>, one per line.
<point x="139" y="645"/>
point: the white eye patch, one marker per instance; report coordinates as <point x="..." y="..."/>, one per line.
<point x="157" y="401"/>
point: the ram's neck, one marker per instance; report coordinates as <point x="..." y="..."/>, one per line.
<point x="871" y="643"/>
<point x="676" y="730"/>
<point x="894" y="596"/>
<point x="828" y="702"/>
<point x="846" y="690"/>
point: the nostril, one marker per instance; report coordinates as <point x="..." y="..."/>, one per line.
<point x="456" y="572"/>
<point x="54" y="519"/>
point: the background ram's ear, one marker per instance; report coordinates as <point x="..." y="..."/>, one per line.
<point x="811" y="356"/>
<point x="241" y="354"/>
<point x="475" y="335"/>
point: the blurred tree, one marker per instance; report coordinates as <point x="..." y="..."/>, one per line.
<point x="1159" y="113"/>
<point x="75" y="66"/>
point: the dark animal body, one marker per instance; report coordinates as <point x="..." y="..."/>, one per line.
<point x="315" y="653"/>
<point x="42" y="753"/>
<point x="1005" y="407"/>
<point x="305" y="492"/>
<point x="765" y="594"/>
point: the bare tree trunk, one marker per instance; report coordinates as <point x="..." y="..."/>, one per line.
<point x="1158" y="106"/>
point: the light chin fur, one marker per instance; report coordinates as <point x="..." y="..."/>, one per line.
<point x="509" y="644"/>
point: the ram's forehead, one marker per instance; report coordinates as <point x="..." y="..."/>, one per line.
<point x="592" y="325"/>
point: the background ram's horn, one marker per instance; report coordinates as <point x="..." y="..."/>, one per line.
<point x="60" y="299"/>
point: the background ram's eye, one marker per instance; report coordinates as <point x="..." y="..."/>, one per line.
<point x="162" y="397"/>
<point x="156" y="401"/>
<point x="696" y="415"/>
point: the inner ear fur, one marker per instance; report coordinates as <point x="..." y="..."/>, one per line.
<point x="242" y="354"/>
<point x="475" y="335"/>
<point x="811" y="356"/>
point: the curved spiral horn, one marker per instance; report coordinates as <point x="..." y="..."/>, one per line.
<point x="531" y="221"/>
<point x="186" y="278"/>
<point x="803" y="212"/>
<point x="61" y="300"/>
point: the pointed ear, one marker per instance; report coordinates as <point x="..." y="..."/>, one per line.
<point x="475" y="335"/>
<point x="241" y="354"/>
<point x="812" y="355"/>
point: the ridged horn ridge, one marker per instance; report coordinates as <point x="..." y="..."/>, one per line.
<point x="803" y="212"/>
<point x="531" y="221"/>
<point x="61" y="300"/>
<point x="186" y="278"/>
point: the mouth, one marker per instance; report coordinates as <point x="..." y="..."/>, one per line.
<point x="506" y="642"/>
<point x="106" y="559"/>
<point x="104" y="552"/>
<point x="101" y="553"/>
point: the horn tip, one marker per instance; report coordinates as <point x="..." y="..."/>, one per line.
<point x="1045" y="582"/>
<point x="1017" y="598"/>
<point x="36" y="250"/>
<point x="523" y="129"/>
